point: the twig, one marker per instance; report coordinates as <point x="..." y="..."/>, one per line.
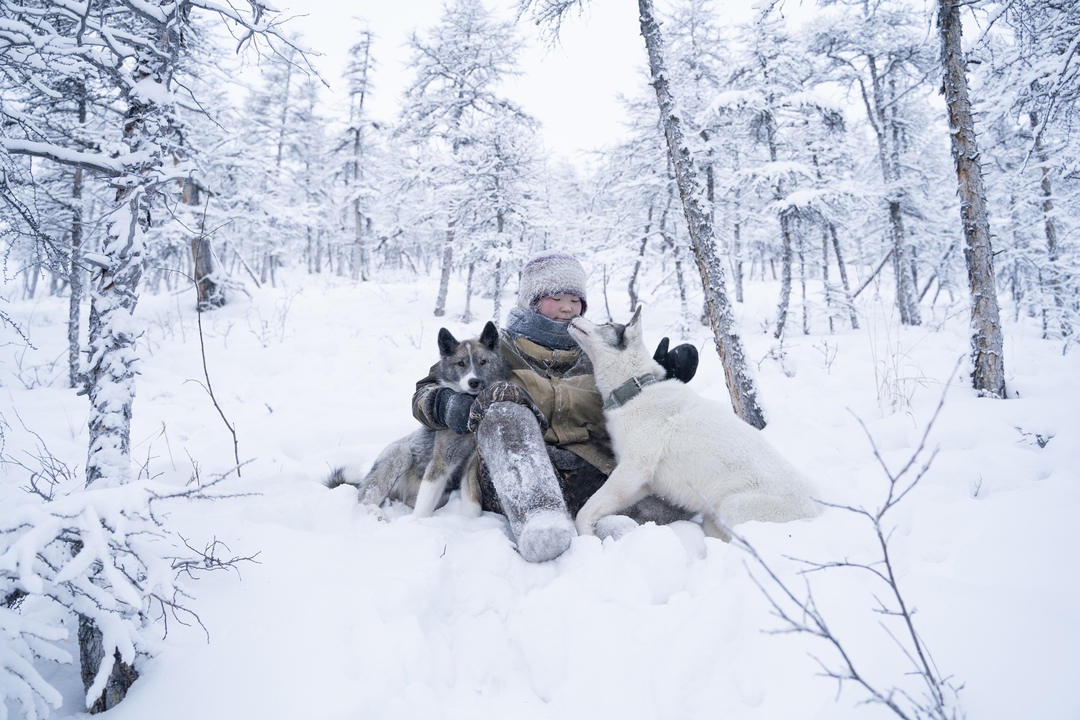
<point x="801" y="614"/>
<point x="210" y="390"/>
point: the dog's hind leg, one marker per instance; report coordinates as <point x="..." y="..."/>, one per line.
<point x="625" y="486"/>
<point x="390" y="468"/>
<point x="766" y="507"/>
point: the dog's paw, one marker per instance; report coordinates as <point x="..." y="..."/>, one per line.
<point x="614" y="526"/>
<point x="372" y="511"/>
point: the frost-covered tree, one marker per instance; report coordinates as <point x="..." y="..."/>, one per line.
<point x="1029" y="77"/>
<point x="48" y="206"/>
<point x="137" y="51"/>
<point x="701" y="59"/>
<point x="358" y="75"/>
<point x="772" y="91"/>
<point x="469" y="140"/>
<point x="741" y="386"/>
<point x="878" y="51"/>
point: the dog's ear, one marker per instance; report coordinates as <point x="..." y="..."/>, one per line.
<point x="447" y="343"/>
<point x="633" y="328"/>
<point x="489" y="337"/>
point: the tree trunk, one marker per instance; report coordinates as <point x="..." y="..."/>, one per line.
<point x="825" y="276"/>
<point x="114" y="294"/>
<point x="843" y="277"/>
<point x="466" y="317"/>
<point x="444" y="279"/>
<point x="631" y="286"/>
<point x="91" y="655"/>
<point x="75" y="278"/>
<point x="736" y="254"/>
<point x="882" y="113"/>
<point x="500" y="229"/>
<point x="209" y="294"/>
<point x="1050" y="229"/>
<point x="988" y="376"/>
<point x="905" y="289"/>
<point x="785" y="274"/>
<point x="739" y="382"/>
<point x="802" y="289"/>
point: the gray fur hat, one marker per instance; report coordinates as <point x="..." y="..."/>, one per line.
<point x="548" y="274"/>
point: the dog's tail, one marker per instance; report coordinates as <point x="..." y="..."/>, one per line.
<point x="339" y="476"/>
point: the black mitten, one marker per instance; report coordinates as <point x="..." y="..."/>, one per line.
<point x="452" y="409"/>
<point x="680" y="362"/>
<point x="502" y="392"/>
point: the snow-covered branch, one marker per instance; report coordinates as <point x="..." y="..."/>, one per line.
<point x="65" y="156"/>
<point x="102" y="555"/>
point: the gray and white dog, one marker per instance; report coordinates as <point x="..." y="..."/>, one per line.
<point x="422" y="468"/>
<point x="671" y="442"/>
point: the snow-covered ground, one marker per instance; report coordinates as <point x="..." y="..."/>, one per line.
<point x="351" y="612"/>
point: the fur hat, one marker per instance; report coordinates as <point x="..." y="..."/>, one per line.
<point x="549" y="274"/>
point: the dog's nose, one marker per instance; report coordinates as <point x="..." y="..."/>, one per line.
<point x="474" y="383"/>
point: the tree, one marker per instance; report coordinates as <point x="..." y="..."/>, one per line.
<point x="740" y="383"/>
<point x="879" y="50"/>
<point x="701" y="61"/>
<point x="136" y="50"/>
<point x="988" y="376"/>
<point x="1031" y="69"/>
<point x="772" y="91"/>
<point x="471" y="142"/>
<point x="358" y="77"/>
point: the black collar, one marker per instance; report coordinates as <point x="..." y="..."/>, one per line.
<point x="628" y="391"/>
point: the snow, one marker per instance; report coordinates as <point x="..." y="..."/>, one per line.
<point x="349" y="611"/>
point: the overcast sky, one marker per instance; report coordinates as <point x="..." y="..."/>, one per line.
<point x="571" y="88"/>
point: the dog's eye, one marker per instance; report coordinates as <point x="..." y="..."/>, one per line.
<point x="483" y="362"/>
<point x="461" y="363"/>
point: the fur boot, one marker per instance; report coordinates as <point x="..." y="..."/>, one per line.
<point x="510" y="443"/>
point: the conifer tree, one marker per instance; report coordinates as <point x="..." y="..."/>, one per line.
<point x="988" y="375"/>
<point x="473" y="144"/>
<point x="740" y="383"/>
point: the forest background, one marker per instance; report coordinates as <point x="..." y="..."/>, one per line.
<point x="157" y="150"/>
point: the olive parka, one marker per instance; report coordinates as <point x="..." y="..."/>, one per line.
<point x="560" y="383"/>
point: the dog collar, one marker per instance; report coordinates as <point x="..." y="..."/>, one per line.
<point x="628" y="391"/>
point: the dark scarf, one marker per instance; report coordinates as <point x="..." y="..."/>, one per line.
<point x="534" y="326"/>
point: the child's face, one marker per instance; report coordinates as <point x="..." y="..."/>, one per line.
<point x="560" y="307"/>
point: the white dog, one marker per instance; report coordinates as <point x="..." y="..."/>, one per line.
<point x="671" y="442"/>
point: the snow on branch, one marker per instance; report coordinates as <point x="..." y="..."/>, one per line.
<point x="74" y="158"/>
<point x="104" y="555"/>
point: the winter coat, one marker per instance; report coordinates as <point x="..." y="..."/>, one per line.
<point x="562" y="386"/>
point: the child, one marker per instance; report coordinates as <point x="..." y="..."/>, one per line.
<point x="541" y="437"/>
